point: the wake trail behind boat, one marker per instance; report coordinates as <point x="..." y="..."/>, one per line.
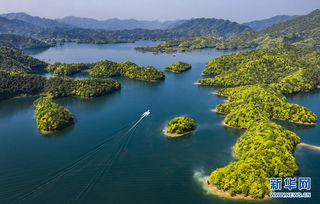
<point x="87" y="155"/>
<point x="96" y="178"/>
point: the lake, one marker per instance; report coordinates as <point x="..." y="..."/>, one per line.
<point x="100" y="160"/>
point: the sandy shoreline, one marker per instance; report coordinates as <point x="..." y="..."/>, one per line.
<point x="213" y="189"/>
<point x="174" y="134"/>
<point x="309" y="146"/>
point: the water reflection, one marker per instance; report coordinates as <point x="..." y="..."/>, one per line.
<point x="294" y="126"/>
<point x="60" y="133"/>
<point x="13" y="106"/>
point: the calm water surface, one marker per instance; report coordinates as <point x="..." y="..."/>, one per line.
<point x="142" y="166"/>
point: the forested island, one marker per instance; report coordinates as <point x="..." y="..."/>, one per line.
<point x="16" y="61"/>
<point x="179" y="126"/>
<point x="257" y="81"/>
<point x="178" y="67"/>
<point x="286" y="68"/>
<point x="20" y="75"/>
<point x="126" y="69"/>
<point x="301" y="31"/>
<point x="50" y="116"/>
<point x="21" y="42"/>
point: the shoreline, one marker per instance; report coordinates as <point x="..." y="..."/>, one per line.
<point x="220" y="94"/>
<point x="301" y="144"/>
<point x="219" y="192"/>
<point x="175" y="134"/>
<point x="292" y="121"/>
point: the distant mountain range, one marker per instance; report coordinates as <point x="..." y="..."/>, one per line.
<point x="261" y="24"/>
<point x="117" y="24"/>
<point x="35" y="20"/>
<point x="77" y="29"/>
<point x="86" y="30"/>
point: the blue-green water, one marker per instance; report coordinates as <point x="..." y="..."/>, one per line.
<point x="146" y="168"/>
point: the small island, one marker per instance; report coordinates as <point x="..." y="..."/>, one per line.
<point x="178" y="67"/>
<point x="51" y="116"/>
<point x="126" y="69"/>
<point x="179" y="126"/>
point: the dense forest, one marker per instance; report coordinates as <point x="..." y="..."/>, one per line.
<point x="249" y="104"/>
<point x="21" y="42"/>
<point x="51" y="116"/>
<point x="14" y="60"/>
<point x="64" y="69"/>
<point x="286" y="68"/>
<point x="302" y="31"/>
<point x="126" y="69"/>
<point x="263" y="151"/>
<point x="180" y="125"/>
<point x="87" y="88"/>
<point x="257" y="80"/>
<point x="178" y="67"/>
<point x="17" y="84"/>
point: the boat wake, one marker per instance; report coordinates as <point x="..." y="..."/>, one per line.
<point x="107" y="163"/>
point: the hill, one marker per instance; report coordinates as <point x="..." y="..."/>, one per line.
<point x="35" y="20"/>
<point x="117" y="24"/>
<point x="302" y="31"/>
<point x="209" y="27"/>
<point x="17" y="27"/>
<point x="21" y="42"/>
<point x="16" y="61"/>
<point x="261" y="24"/>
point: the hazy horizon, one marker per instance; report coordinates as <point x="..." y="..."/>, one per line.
<point x="234" y="10"/>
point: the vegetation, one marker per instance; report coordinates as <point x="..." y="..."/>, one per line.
<point x="178" y="67"/>
<point x="182" y="45"/>
<point x="286" y="68"/>
<point x="262" y="152"/>
<point x="21" y="42"/>
<point x="16" y="84"/>
<point x="261" y="24"/>
<point x="249" y="104"/>
<point x="43" y="29"/>
<point x="91" y="87"/>
<point x="64" y="69"/>
<point x="16" y="61"/>
<point x="127" y="69"/>
<point x="50" y="116"/>
<point x="180" y="125"/>
<point x="258" y="80"/>
<point x="301" y="31"/>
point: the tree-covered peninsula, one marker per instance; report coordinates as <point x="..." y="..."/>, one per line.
<point x="108" y="69"/>
<point x="50" y="116"/>
<point x="257" y="80"/>
<point x="249" y="104"/>
<point x="179" y="126"/>
<point x="286" y="68"/>
<point x="65" y="69"/>
<point x="21" y="42"/>
<point x="87" y="88"/>
<point x="126" y="69"/>
<point x="16" y="61"/>
<point x="21" y="84"/>
<point x="178" y="67"/>
<point x="262" y="152"/>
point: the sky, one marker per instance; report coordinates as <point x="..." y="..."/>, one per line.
<point x="234" y="10"/>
